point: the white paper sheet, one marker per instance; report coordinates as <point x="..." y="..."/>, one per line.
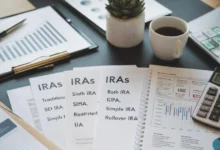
<point x="118" y="108"/>
<point x="95" y="11"/>
<point x="174" y="93"/>
<point x="14" y="137"/>
<point x="23" y="105"/>
<point x="44" y="33"/>
<point x="82" y="91"/>
<point x="27" y="107"/>
<point x="105" y="67"/>
<point x="49" y="95"/>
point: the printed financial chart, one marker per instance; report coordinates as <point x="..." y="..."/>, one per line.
<point x="44" y="37"/>
<point x="176" y="114"/>
<point x="175" y="101"/>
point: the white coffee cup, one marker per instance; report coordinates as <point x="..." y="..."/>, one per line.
<point x="168" y="47"/>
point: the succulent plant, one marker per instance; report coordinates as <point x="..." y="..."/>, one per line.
<point x="125" y="9"/>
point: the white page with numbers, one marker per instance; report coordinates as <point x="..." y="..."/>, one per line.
<point x="173" y="95"/>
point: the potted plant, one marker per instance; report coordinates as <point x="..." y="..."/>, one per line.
<point x="125" y="22"/>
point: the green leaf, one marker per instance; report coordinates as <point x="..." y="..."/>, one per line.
<point x="115" y="7"/>
<point x="125" y="8"/>
<point x="117" y="14"/>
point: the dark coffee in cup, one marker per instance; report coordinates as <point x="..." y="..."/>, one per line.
<point x="168" y="36"/>
<point x="169" y="31"/>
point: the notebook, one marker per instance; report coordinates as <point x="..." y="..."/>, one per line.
<point x="165" y="118"/>
<point x="94" y="11"/>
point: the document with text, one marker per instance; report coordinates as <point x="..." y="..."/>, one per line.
<point x="174" y="93"/>
<point x="23" y="104"/>
<point x="82" y="90"/>
<point x="14" y="137"/>
<point x="49" y="95"/>
<point x="120" y="94"/>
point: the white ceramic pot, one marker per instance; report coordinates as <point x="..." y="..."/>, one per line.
<point x="125" y="33"/>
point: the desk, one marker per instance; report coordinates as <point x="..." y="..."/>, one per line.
<point x="142" y="55"/>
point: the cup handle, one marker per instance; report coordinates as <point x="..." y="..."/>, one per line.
<point x="178" y="51"/>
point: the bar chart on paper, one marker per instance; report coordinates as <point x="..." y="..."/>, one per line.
<point x="175" y="114"/>
<point x="44" y="37"/>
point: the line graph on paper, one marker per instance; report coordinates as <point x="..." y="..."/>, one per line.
<point x="176" y="114"/>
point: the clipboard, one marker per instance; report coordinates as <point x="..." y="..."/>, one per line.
<point x="36" y="134"/>
<point x="49" y="60"/>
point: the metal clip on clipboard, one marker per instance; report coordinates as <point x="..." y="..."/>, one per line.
<point x="39" y="63"/>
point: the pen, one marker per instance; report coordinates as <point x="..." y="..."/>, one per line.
<point x="10" y="29"/>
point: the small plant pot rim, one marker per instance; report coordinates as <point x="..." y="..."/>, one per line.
<point x="123" y="19"/>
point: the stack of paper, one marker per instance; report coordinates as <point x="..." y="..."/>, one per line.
<point x="16" y="134"/>
<point x="86" y="108"/>
<point x="11" y="131"/>
<point x="117" y="108"/>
